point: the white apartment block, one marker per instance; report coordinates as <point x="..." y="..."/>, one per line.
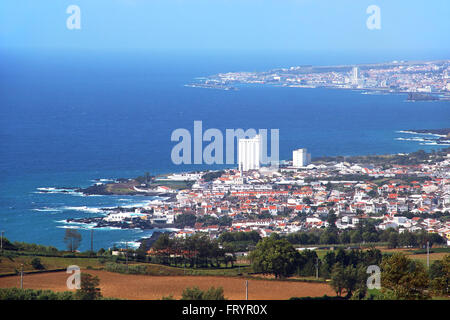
<point x="300" y="158"/>
<point x="249" y="153"/>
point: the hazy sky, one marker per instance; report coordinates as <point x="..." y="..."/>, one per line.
<point x="236" y="25"/>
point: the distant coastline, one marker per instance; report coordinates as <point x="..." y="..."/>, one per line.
<point x="420" y="80"/>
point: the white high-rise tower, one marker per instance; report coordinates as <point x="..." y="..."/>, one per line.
<point x="300" y="158"/>
<point x="355" y="76"/>
<point x="249" y="153"/>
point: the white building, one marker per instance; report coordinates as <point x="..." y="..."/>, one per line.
<point x="249" y="153"/>
<point x="354" y="78"/>
<point x="120" y="216"/>
<point x="300" y="158"/>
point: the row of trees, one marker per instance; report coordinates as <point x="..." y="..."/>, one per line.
<point x="277" y="256"/>
<point x="189" y="220"/>
<point x="365" y="232"/>
<point x="401" y="278"/>
<point x="197" y="251"/>
<point x="353" y="259"/>
<point x="30" y="247"/>
<point x="72" y="238"/>
<point x="239" y="241"/>
<point x="412" y="239"/>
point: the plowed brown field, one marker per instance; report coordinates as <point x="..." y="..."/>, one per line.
<point x="155" y="287"/>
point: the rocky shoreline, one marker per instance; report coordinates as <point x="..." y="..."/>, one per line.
<point x="125" y="224"/>
<point x="103" y="190"/>
<point x="415" y="96"/>
<point x="442" y="132"/>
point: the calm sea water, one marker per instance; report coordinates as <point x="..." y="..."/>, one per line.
<point x="69" y="118"/>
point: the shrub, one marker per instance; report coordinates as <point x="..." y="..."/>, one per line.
<point x="89" y="288"/>
<point x="195" y="293"/>
<point x="36" y="264"/>
<point x="30" y="294"/>
<point x="122" y="268"/>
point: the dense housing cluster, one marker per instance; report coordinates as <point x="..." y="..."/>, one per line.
<point x="412" y="196"/>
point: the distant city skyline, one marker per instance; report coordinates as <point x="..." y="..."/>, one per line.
<point x="389" y="77"/>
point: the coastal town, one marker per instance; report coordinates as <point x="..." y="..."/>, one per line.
<point x="422" y="80"/>
<point x="406" y="192"/>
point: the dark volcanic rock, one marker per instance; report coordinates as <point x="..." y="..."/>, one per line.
<point x="415" y="96"/>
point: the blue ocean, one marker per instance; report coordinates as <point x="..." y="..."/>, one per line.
<point x="68" y="118"/>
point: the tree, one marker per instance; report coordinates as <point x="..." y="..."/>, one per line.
<point x="348" y="279"/>
<point x="440" y="276"/>
<point x="393" y="240"/>
<point x="89" y="288"/>
<point x="369" y="236"/>
<point x="355" y="280"/>
<point x="407" y="239"/>
<point x="145" y="179"/>
<point x="331" y="219"/>
<point x="372" y="256"/>
<point x="355" y="236"/>
<point x="193" y="293"/>
<point x="162" y="245"/>
<point x="328" y="262"/>
<point x="72" y="238"/>
<point x="7" y="245"/>
<point x="276" y="256"/>
<point x="344" y="237"/>
<point x="328" y="237"/>
<point x="186" y="219"/>
<point x="36" y="264"/>
<point x="337" y="278"/>
<point x="423" y="237"/>
<point x="342" y="257"/>
<point x="407" y="279"/>
<point x="307" y="262"/>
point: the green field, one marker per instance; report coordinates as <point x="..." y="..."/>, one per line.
<point x="10" y="264"/>
<point x="13" y="264"/>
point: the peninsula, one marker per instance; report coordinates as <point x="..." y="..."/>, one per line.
<point x="421" y="80"/>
